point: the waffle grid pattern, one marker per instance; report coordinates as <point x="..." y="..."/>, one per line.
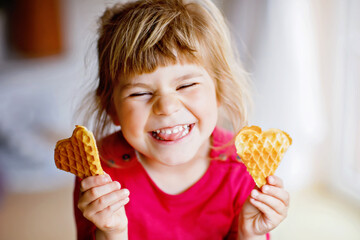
<point x="78" y="154"/>
<point x="261" y="152"/>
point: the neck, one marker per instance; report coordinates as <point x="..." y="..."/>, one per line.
<point x="174" y="179"/>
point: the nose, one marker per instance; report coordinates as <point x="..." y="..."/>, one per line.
<point x="166" y="104"/>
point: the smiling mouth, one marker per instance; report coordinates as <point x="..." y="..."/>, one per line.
<point x="173" y="133"/>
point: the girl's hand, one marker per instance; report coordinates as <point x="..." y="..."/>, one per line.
<point x="264" y="210"/>
<point x="102" y="202"/>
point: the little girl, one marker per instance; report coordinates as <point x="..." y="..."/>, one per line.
<point x="166" y="69"/>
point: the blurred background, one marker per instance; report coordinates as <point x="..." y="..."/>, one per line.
<point x="304" y="59"/>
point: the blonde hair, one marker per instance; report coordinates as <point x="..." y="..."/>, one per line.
<point x="137" y="37"/>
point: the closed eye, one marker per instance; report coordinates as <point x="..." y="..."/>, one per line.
<point x="140" y="94"/>
<point x="186" y="86"/>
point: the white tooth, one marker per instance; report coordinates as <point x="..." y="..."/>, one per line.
<point x="158" y="131"/>
<point x="176" y="130"/>
<point x="168" y="131"/>
<point x="162" y="131"/>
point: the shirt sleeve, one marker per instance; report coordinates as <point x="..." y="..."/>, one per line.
<point x="85" y="228"/>
<point x="234" y="236"/>
<point x="245" y="184"/>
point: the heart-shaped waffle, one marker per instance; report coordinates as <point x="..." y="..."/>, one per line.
<point x="261" y="152"/>
<point x="78" y="154"/>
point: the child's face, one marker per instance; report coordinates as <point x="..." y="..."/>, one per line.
<point x="168" y="115"/>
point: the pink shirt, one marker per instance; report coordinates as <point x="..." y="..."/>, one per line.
<point x="207" y="210"/>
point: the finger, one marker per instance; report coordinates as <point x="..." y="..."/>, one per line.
<point x="105" y="201"/>
<point x="113" y="207"/>
<point x="94" y="193"/>
<point x="277" y="192"/>
<point x="275" y="181"/>
<point x="107" y="214"/>
<point x="272" y="202"/>
<point x="269" y="213"/>
<point x="94" y="181"/>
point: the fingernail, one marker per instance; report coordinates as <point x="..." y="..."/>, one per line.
<point x="126" y="191"/>
<point x="107" y="177"/>
<point x="265" y="188"/>
<point x="271" y="180"/>
<point x="254" y="193"/>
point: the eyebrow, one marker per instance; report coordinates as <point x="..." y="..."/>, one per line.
<point x="131" y="85"/>
<point x="190" y="75"/>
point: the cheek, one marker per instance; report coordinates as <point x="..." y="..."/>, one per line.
<point x="204" y="103"/>
<point x="131" y="118"/>
<point x="211" y="106"/>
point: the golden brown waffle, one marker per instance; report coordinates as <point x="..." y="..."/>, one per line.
<point x="261" y="152"/>
<point x="78" y="154"/>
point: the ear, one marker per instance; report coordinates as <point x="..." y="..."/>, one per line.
<point x="113" y="115"/>
<point x="218" y="101"/>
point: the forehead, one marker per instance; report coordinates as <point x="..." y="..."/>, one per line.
<point x="174" y="72"/>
